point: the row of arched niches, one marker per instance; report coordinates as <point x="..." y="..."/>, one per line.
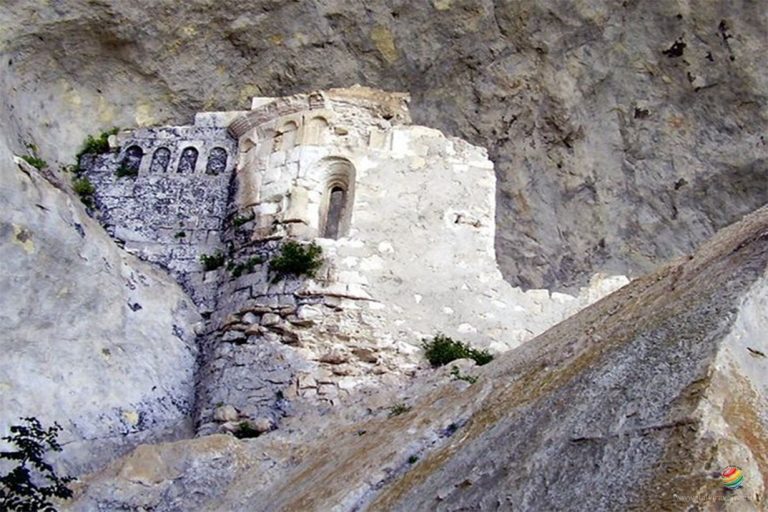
<point x="216" y="162"/>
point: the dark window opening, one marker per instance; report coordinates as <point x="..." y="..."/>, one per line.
<point x="217" y="161"/>
<point x="160" y="160"/>
<point x="336" y="203"/>
<point x="188" y="161"/>
<point x="132" y="158"/>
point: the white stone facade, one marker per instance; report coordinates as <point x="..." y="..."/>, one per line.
<point x="406" y="220"/>
<point x="416" y="253"/>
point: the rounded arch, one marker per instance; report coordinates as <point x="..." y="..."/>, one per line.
<point x="288" y="133"/>
<point x="338" y="198"/>
<point x="316" y="130"/>
<point x="160" y="160"/>
<point x="187" y="161"/>
<point x="217" y="161"/>
<point x="132" y="158"/>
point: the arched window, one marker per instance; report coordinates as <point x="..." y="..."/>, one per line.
<point x="338" y="198"/>
<point x="188" y="161"/>
<point x="217" y="161"/>
<point x="160" y="160"/>
<point x="288" y="136"/>
<point x="315" y="131"/>
<point x="132" y="158"/>
<point x="336" y="203"/>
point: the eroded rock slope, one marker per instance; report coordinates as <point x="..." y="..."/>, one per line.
<point x="636" y="403"/>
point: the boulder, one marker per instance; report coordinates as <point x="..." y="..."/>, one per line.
<point x="92" y="337"/>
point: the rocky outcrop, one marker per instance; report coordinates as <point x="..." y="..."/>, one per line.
<point x="622" y="134"/>
<point x="92" y="337"/>
<point x="637" y="402"/>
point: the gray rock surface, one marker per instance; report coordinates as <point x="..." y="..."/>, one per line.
<point x="92" y="338"/>
<point x="635" y="403"/>
<point x="623" y="133"/>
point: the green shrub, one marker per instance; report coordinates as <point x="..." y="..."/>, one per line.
<point x="37" y="163"/>
<point x="398" y="409"/>
<point x="441" y="350"/>
<point x="22" y="488"/>
<point x="96" y="145"/>
<point x="85" y="189"/>
<point x="247" y="267"/>
<point x="456" y="374"/>
<point x="297" y="260"/>
<point x="212" y="262"/>
<point x="124" y="171"/>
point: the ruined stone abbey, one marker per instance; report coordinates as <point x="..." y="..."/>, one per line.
<point x="404" y="216"/>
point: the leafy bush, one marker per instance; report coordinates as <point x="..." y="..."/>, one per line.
<point x="85" y="189"/>
<point x="296" y="259"/>
<point x="37" y="163"/>
<point x="212" y="262"/>
<point x="456" y="374"/>
<point x="441" y="350"/>
<point x="96" y="145"/>
<point x="247" y="267"/>
<point x="398" y="409"/>
<point x="22" y="488"/>
<point x="124" y="171"/>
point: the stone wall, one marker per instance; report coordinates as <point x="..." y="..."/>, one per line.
<point x="414" y="256"/>
<point x="407" y="240"/>
<point x="169" y="206"/>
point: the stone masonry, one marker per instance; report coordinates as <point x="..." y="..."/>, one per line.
<point x="170" y="204"/>
<point x="403" y="214"/>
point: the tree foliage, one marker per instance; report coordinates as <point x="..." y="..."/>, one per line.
<point x="30" y="485"/>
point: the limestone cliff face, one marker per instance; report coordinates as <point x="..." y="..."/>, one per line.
<point x="91" y="337"/>
<point x="636" y="403"/>
<point x="623" y="133"/>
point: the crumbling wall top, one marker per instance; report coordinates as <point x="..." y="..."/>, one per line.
<point x="390" y="106"/>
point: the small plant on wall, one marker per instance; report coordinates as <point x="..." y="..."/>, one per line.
<point x="296" y="260"/>
<point x="212" y="261"/>
<point x="96" y="145"/>
<point x="85" y="189"/>
<point x="441" y="350"/>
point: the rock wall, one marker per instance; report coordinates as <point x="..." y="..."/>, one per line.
<point x="92" y="337"/>
<point x="622" y="134"/>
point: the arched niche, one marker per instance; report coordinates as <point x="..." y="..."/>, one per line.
<point x="187" y="161"/>
<point x="217" y="161"/>
<point x="132" y="158"/>
<point x="160" y="160"/>
<point x="338" y="199"/>
<point x="288" y="134"/>
<point x="316" y="130"/>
